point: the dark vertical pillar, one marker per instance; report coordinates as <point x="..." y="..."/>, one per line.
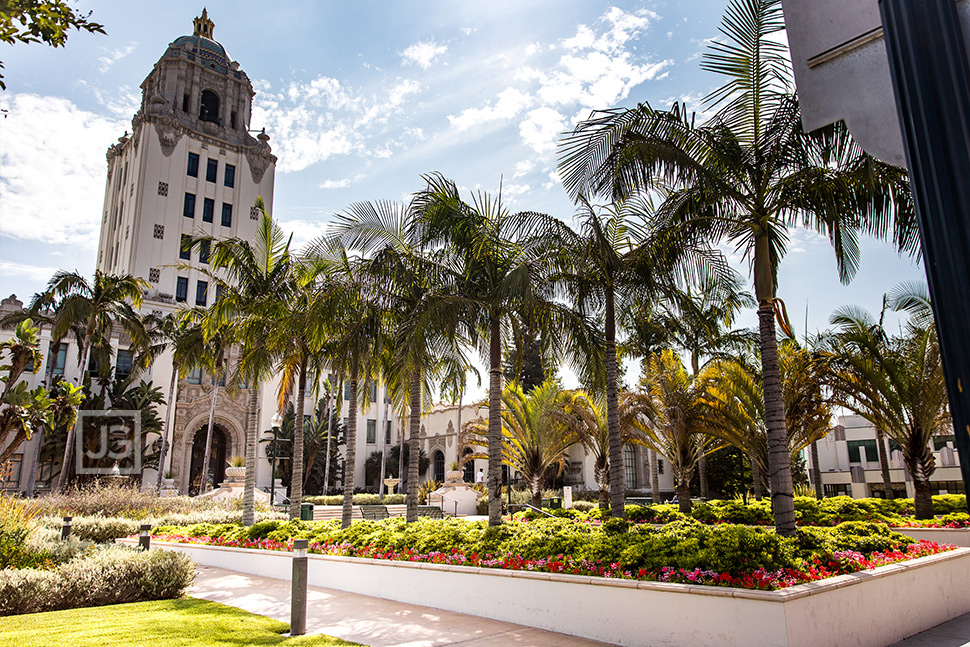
<point x="931" y="78"/>
<point x="145" y="538"/>
<point x="298" y="585"/>
<point x="66" y="528"/>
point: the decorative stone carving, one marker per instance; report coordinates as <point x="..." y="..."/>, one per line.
<point x="169" y="133"/>
<point x="260" y="157"/>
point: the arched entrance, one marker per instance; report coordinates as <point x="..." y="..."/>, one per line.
<point x="468" y="469"/>
<point x="217" y="458"/>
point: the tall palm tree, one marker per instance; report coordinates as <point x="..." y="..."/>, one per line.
<point x="96" y="306"/>
<point x="587" y="414"/>
<point x="896" y="383"/>
<point x="251" y="277"/>
<point x="498" y="272"/>
<point x="747" y="175"/>
<point x="421" y="315"/>
<point x="536" y="436"/>
<point x="680" y="419"/>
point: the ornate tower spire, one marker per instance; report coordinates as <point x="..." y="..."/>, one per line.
<point x="203" y="26"/>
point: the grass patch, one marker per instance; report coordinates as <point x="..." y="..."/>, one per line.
<point x="186" y="622"/>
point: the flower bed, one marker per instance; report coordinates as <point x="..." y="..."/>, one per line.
<point x="683" y="551"/>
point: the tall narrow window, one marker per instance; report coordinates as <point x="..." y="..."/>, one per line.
<point x="194" y="376"/>
<point x="226" y="215"/>
<point x="185" y="247"/>
<point x="61" y="360"/>
<point x="209" y="106"/>
<point x="123" y="363"/>
<point x="208" y="208"/>
<point x="204" y="252"/>
<point x="219" y="290"/>
<point x="387" y="433"/>
<point x="211" y="170"/>
<point x="193" y="166"/>
<point x="185" y="102"/>
<point x="371" y="432"/>
<point x="373" y="392"/>
<point x="188" y="208"/>
<point x="230" y="176"/>
<point x="181" y="289"/>
<point x="201" y="292"/>
<point x="232" y="119"/>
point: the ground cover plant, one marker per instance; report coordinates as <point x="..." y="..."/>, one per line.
<point x="170" y="623"/>
<point x="684" y="550"/>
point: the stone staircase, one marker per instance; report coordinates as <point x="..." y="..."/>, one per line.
<point x="326" y="512"/>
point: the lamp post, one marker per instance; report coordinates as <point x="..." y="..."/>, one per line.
<point x="276" y="422"/>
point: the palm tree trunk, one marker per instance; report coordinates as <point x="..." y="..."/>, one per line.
<point x="402" y="481"/>
<point x="296" y="476"/>
<point x="683" y="494"/>
<point x="350" y="456"/>
<point x="495" y="423"/>
<point x="72" y="430"/>
<point x="601" y="472"/>
<point x="169" y="408"/>
<point x="32" y="466"/>
<point x="208" y="435"/>
<point x="384" y="441"/>
<point x="695" y="363"/>
<point x="414" y="451"/>
<point x="817" y="473"/>
<point x="779" y="458"/>
<point x="887" y="481"/>
<point x="755" y="477"/>
<point x="537" y="495"/>
<point x="923" y="501"/>
<point x="617" y="480"/>
<point x="249" y="488"/>
<point x="654" y="477"/>
<point x="331" y="423"/>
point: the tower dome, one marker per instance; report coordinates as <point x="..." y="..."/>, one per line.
<point x="201" y="47"/>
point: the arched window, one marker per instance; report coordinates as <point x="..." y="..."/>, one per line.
<point x="209" y="108"/>
<point x="439" y="466"/>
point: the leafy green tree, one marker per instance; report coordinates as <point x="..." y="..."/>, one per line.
<point x="41" y="21"/>
<point x="748" y="175"/>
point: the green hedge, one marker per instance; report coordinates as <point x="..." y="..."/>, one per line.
<point x="684" y="543"/>
<point x="111" y="575"/>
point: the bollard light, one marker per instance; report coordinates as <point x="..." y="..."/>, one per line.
<point x="299" y="586"/>
<point x="66" y="528"/>
<point x="145" y="538"/>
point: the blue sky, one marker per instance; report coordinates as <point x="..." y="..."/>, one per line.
<point x="360" y="99"/>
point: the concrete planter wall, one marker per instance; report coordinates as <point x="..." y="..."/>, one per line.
<point x="870" y="608"/>
<point x="955" y="536"/>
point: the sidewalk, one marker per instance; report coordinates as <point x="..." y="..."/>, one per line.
<point x="370" y="621"/>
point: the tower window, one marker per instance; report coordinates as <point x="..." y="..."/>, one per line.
<point x="232" y="119"/>
<point x="230" y="176"/>
<point x="201" y="288"/>
<point x="209" y="108"/>
<point x="208" y="208"/>
<point x="188" y="209"/>
<point x="193" y="166"/>
<point x="185" y="248"/>
<point x="185" y="102"/>
<point x="226" y="215"/>
<point x="181" y="289"/>
<point x="211" y="170"/>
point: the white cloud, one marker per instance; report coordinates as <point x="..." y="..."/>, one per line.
<point x="33" y="272"/>
<point x="114" y="56"/>
<point x="335" y="184"/>
<point x="523" y="168"/>
<point x="511" y="102"/>
<point x="303" y="231"/>
<point x="541" y="129"/>
<point x="54" y="171"/>
<point x="423" y="53"/>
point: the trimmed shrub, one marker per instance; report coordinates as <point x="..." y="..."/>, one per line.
<point x="112" y="575"/>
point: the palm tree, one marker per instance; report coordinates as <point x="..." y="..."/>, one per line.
<point x="587" y="413"/>
<point x="747" y="175"/>
<point x="250" y="276"/>
<point x="497" y="273"/>
<point x="896" y="383"/>
<point x="680" y="418"/>
<point x="536" y="434"/>
<point x="96" y="306"/>
<point x="421" y="315"/>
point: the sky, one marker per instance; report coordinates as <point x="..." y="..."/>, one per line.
<point x="360" y="99"/>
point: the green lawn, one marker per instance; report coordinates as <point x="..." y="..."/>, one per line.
<point x="168" y="623"/>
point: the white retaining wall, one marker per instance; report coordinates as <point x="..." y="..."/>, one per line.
<point x="869" y="608"/>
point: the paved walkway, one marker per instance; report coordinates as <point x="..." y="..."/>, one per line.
<point x="370" y="621"/>
<point x="385" y="623"/>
